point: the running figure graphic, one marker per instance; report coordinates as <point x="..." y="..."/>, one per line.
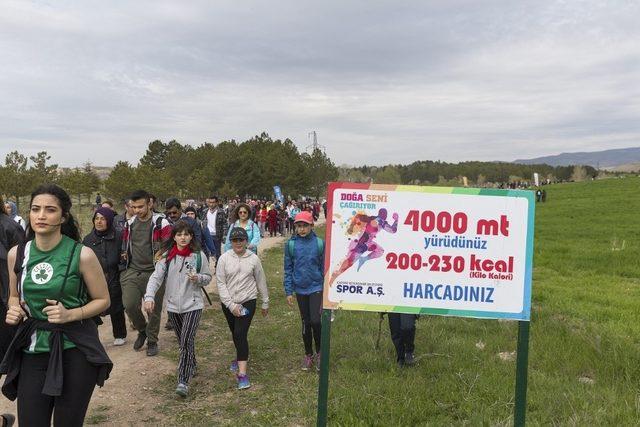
<point x="370" y="226"/>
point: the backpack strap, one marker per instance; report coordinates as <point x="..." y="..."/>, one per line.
<point x="290" y="245"/>
<point x="66" y="273"/>
<point x="166" y="267"/>
<point x="17" y="267"/>
<point x="198" y="261"/>
<point x="320" y="244"/>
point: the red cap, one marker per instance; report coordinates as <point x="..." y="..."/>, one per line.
<point x="304" y="216"/>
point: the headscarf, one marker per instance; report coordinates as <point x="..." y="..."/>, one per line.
<point x="14" y="209"/>
<point x="108" y="215"/>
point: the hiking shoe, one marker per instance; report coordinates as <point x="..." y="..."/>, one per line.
<point x="7" y="420"/>
<point x="307" y="362"/>
<point x="234" y="366"/>
<point x="409" y="359"/>
<point x="243" y="382"/>
<point x="182" y="390"/>
<point x="142" y="337"/>
<point x="152" y="348"/>
<point x="119" y="341"/>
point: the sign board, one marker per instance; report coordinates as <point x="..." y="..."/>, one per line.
<point x="429" y="250"/>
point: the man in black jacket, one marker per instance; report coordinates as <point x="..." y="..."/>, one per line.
<point x="11" y="234"/>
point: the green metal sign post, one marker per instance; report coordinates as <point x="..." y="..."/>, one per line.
<point x="323" y="382"/>
<point x="522" y="363"/>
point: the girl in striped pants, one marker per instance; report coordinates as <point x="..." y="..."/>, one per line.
<point x="184" y="270"/>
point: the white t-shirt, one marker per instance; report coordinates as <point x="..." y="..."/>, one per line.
<point x="211" y="221"/>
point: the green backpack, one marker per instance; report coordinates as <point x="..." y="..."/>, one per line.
<point x="198" y="266"/>
<point x="291" y="245"/>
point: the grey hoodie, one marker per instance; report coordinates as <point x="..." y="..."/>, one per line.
<point x="239" y="278"/>
<point x="181" y="294"/>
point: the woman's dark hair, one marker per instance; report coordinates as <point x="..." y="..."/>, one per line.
<point x="234" y="214"/>
<point x="178" y="227"/>
<point x="69" y="227"/>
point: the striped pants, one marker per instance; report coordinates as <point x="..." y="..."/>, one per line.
<point x="185" y="326"/>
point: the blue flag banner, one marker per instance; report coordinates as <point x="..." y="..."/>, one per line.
<point x="278" y="193"/>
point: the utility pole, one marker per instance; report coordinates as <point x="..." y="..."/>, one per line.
<point x="313" y="136"/>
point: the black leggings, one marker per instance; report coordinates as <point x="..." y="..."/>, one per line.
<point x="6" y="331"/>
<point x="309" y="306"/>
<point x="118" y="325"/>
<point x="69" y="409"/>
<point x="239" y="327"/>
<point x="403" y="333"/>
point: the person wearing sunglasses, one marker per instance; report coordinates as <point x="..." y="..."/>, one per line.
<point x="240" y="218"/>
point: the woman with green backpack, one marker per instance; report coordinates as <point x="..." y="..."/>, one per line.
<point x="184" y="272"/>
<point x="56" y="287"/>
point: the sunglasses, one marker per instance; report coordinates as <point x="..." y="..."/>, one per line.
<point x="243" y="212"/>
<point x="238" y="240"/>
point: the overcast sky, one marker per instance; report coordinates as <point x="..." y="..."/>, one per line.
<point x="379" y="81"/>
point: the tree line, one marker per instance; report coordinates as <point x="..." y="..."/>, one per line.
<point x="251" y="168"/>
<point x="428" y="172"/>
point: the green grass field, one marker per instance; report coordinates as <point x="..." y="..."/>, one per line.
<point x="584" y="349"/>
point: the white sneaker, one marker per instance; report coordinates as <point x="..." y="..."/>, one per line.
<point x="119" y="341"/>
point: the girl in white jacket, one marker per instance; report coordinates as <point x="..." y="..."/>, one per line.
<point x="239" y="276"/>
<point x="185" y="270"/>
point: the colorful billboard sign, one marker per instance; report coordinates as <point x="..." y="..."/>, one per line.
<point x="429" y="250"/>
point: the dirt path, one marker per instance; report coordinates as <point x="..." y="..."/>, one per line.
<point x="129" y="396"/>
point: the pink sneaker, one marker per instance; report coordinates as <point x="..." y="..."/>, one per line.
<point x="307" y="362"/>
<point x="317" y="362"/>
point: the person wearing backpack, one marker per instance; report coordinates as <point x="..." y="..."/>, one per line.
<point x="240" y="218"/>
<point x="304" y="277"/>
<point x="183" y="273"/>
<point x="55" y="359"/>
<point x="142" y="237"/>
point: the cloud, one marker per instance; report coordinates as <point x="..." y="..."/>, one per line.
<point x="379" y="81"/>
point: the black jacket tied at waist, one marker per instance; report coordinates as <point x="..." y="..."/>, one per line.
<point x="83" y="334"/>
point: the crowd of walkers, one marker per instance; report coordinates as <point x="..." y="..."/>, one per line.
<point x="57" y="285"/>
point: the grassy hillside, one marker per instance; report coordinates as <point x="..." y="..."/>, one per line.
<point x="584" y="362"/>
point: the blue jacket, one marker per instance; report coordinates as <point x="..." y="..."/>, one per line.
<point x="304" y="272"/>
<point x="252" y="231"/>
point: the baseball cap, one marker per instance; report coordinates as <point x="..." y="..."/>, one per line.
<point x="238" y="233"/>
<point x="304" y="216"/>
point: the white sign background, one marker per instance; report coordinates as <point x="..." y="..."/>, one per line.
<point x="507" y="296"/>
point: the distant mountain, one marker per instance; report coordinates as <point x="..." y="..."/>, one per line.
<point x="630" y="167"/>
<point x="602" y="159"/>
